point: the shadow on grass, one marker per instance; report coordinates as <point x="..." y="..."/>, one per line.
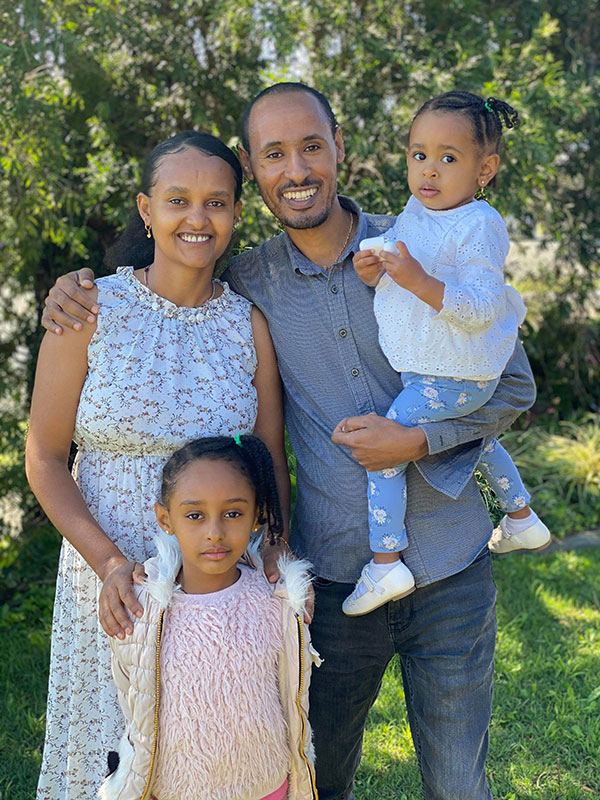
<point x="545" y="734"/>
<point x="23" y="682"/>
<point x="26" y="599"/>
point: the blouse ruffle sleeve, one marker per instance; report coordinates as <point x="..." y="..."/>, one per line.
<point x="475" y="294"/>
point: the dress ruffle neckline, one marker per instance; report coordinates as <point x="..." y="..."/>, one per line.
<point x="170" y="309"/>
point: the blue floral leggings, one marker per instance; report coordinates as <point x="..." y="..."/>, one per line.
<point x="431" y="398"/>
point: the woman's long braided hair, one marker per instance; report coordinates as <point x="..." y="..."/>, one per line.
<point x="488" y="117"/>
<point x="254" y="462"/>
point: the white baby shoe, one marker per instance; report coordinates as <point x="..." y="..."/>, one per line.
<point x="535" y="537"/>
<point x="369" y="594"/>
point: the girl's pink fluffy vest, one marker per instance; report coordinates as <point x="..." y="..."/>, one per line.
<point x="135" y="661"/>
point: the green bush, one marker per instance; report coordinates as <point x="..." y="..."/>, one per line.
<point x="563" y="347"/>
<point x="28" y="574"/>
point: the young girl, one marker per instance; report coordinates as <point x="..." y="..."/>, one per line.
<point x="446" y="320"/>
<point x="214" y="680"/>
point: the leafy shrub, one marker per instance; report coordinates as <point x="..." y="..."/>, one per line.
<point x="28" y="574"/>
<point x="563" y="348"/>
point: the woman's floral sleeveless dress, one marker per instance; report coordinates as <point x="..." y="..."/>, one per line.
<point x="158" y="376"/>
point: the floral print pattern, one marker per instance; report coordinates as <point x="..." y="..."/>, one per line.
<point x="391" y="543"/>
<point x="158" y="376"/>
<point x="380" y="516"/>
<point x="503" y="477"/>
<point x="441" y="398"/>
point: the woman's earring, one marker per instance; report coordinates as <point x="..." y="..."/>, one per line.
<point x="480" y="193"/>
<point x="148" y="229"/>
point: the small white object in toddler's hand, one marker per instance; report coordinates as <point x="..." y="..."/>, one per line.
<point x="378" y="243"/>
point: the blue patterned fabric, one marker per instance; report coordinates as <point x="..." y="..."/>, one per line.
<point x="424" y="399"/>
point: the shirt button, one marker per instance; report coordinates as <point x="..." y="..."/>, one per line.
<point x="343" y="332"/>
<point x="354" y="372"/>
<point x="334" y="289"/>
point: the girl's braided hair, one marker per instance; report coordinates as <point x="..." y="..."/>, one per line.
<point x="251" y="458"/>
<point x="488" y="117"/>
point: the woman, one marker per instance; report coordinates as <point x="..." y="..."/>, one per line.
<point x="174" y="355"/>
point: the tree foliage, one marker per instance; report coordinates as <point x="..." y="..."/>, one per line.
<point x="87" y="88"/>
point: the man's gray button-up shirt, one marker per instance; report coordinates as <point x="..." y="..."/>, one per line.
<point x="325" y="335"/>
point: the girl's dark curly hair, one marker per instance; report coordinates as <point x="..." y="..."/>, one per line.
<point x="250" y="457"/>
<point x="488" y="117"/>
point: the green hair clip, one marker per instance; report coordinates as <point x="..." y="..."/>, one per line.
<point x="489" y="108"/>
<point x="238" y="439"/>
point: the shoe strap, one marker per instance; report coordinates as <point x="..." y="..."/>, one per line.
<point x="371" y="585"/>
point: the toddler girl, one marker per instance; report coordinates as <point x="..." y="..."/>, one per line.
<point x="447" y="321"/>
<point x="214" y="679"/>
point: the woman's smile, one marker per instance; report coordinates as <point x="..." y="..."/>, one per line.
<point x="194" y="238"/>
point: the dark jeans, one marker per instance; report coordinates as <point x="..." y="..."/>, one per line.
<point x="445" y="635"/>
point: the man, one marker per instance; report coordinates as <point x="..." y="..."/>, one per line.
<point x="324" y="331"/>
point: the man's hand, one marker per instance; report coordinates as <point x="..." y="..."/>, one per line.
<point x="271" y="553"/>
<point x="380" y="443"/>
<point x="69" y="302"/>
<point x="117" y="596"/>
<point x="368" y="267"/>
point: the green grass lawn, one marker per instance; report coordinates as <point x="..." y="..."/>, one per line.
<point x="545" y="736"/>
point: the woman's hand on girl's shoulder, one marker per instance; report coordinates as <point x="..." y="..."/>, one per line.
<point x="271" y="553"/>
<point x="117" y="596"/>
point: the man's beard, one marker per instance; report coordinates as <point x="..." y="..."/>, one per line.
<point x="298" y="221"/>
<point x="307" y="221"/>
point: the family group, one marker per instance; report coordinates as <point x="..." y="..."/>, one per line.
<point x="204" y="647"/>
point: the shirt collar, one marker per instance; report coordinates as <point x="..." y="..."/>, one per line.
<point x="305" y="266"/>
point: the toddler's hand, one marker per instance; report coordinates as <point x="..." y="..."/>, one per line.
<point x="368" y="267"/>
<point x="405" y="270"/>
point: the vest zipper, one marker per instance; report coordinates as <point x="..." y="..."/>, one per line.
<point x="299" y="706"/>
<point x="155" y="740"/>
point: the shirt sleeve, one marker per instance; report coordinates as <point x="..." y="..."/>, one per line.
<point x="475" y="295"/>
<point x="455" y="446"/>
<point x="232" y="276"/>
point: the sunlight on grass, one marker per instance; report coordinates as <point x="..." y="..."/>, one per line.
<point x="562" y="471"/>
<point x="576" y="456"/>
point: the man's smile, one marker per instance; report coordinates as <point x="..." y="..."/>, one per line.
<point x="300" y="197"/>
<point x="299" y="194"/>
